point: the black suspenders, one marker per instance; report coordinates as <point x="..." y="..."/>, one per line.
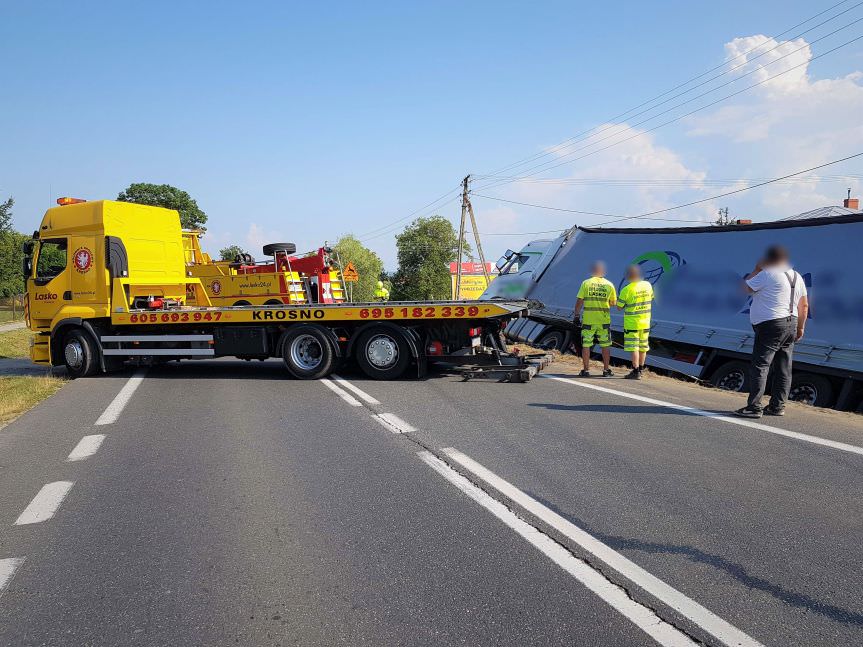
<point x="793" y="281"/>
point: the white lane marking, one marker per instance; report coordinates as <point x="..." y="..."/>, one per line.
<point x="344" y="395"/>
<point x="395" y="424"/>
<point x="113" y="411"/>
<point x="704" y="618"/>
<point x="45" y="503"/>
<point x="86" y="447"/>
<point x="845" y="447"/>
<point x="356" y="390"/>
<point x="8" y="567"/>
<point x="614" y="595"/>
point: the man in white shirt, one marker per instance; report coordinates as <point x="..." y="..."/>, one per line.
<point x="778" y="314"/>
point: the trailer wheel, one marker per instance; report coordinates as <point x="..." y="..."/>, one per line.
<point x="812" y="389"/>
<point x="554" y="340"/>
<point x="79" y="354"/>
<point x="383" y="353"/>
<point x="307" y="352"/>
<point x="731" y="376"/>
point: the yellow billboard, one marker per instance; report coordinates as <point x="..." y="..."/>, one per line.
<point x="471" y="286"/>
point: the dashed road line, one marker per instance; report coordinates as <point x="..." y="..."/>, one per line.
<point x="395" y="424"/>
<point x="723" y="631"/>
<point x="8" y="567"/>
<point x="356" y="390"/>
<point x="86" y="447"/>
<point x="615" y="596"/>
<point x="113" y="411"/>
<point x="45" y="503"/>
<point x="815" y="440"/>
<point x="344" y="395"/>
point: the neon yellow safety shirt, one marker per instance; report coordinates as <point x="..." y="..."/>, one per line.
<point x="636" y="298"/>
<point x="597" y="293"/>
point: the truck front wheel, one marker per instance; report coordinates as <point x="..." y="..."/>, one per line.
<point x="308" y="353"/>
<point x="383" y="353"/>
<point x="79" y="354"/>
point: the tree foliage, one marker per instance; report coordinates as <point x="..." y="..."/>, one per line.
<point x="368" y="264"/>
<point x="425" y="249"/>
<point x="169" y="197"/>
<point x="11" y="255"/>
<point x="231" y="252"/>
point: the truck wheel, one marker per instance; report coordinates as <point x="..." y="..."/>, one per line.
<point x="731" y="376"/>
<point x="308" y="353"/>
<point x="809" y="388"/>
<point x="79" y="354"/>
<point x="554" y="340"/>
<point x="242" y="303"/>
<point x="272" y="248"/>
<point x="272" y="302"/>
<point x="382" y="353"/>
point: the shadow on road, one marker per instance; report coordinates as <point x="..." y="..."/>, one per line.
<point x="735" y="570"/>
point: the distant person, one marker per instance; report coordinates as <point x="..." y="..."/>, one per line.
<point x="596" y="295"/>
<point x="635" y="300"/>
<point x="778" y="315"/>
<point x="381" y="293"/>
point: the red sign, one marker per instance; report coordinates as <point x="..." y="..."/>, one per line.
<point x="469" y="268"/>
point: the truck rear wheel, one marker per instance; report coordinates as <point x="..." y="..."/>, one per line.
<point x="383" y="353"/>
<point x="308" y="353"/>
<point x="79" y="354"/>
<point x="731" y="376"/>
<point x="810" y="388"/>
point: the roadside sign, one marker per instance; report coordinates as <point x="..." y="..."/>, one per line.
<point x="349" y="274"/>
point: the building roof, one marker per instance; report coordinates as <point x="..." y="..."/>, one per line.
<point x="824" y="212"/>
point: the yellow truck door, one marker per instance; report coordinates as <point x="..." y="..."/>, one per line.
<point x="50" y="281"/>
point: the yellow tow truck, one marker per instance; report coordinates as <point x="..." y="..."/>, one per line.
<point x="108" y="283"/>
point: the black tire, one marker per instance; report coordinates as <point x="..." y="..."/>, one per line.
<point x="308" y="352"/>
<point x="810" y="388"/>
<point x="80" y="354"/>
<point x="554" y="340"/>
<point x="271" y="248"/>
<point x="242" y="302"/>
<point x="731" y="376"/>
<point x="382" y="353"/>
<point x="272" y="302"/>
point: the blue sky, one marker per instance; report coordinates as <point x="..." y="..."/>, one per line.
<point x="302" y="122"/>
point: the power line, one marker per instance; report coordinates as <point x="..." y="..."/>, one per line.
<point x="566" y="142"/>
<point x="370" y="235"/>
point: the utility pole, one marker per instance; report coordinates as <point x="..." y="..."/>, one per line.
<point x="723" y="217"/>
<point x="467" y="208"/>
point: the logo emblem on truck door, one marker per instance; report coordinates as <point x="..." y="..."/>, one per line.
<point x="216" y="287"/>
<point x="83" y="260"/>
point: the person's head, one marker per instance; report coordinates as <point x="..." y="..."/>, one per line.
<point x="597" y="269"/>
<point x="380" y="284"/>
<point x="776" y="255"/>
<point x="633" y="273"/>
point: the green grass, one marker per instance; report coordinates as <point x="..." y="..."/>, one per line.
<point x="21" y="393"/>
<point x="15" y="343"/>
<point x="6" y="315"/>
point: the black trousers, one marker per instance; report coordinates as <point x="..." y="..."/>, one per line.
<point x="774" y="344"/>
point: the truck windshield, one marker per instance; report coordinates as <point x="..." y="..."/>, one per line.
<point x="51" y="260"/>
<point x="520" y="262"/>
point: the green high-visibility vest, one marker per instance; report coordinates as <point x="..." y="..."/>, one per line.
<point x="597" y="294"/>
<point x="636" y="300"/>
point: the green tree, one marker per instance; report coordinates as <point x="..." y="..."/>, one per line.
<point x="169" y="197"/>
<point x="11" y="255"/>
<point x="425" y="249"/>
<point x="230" y="252"/>
<point x="368" y="264"/>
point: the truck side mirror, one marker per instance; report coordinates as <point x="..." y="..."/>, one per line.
<point x="27" y="260"/>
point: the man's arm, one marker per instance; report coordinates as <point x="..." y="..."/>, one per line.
<point x="802" y="313"/>
<point x="750" y="276"/>
<point x="578" y="303"/>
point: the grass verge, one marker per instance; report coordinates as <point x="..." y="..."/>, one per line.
<point x="21" y="393"/>
<point x="15" y="343"/>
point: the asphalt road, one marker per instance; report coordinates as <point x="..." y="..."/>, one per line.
<point x="219" y="503"/>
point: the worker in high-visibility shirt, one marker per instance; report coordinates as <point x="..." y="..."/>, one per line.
<point x="381" y="293"/>
<point x="635" y="300"/>
<point x="596" y="296"/>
